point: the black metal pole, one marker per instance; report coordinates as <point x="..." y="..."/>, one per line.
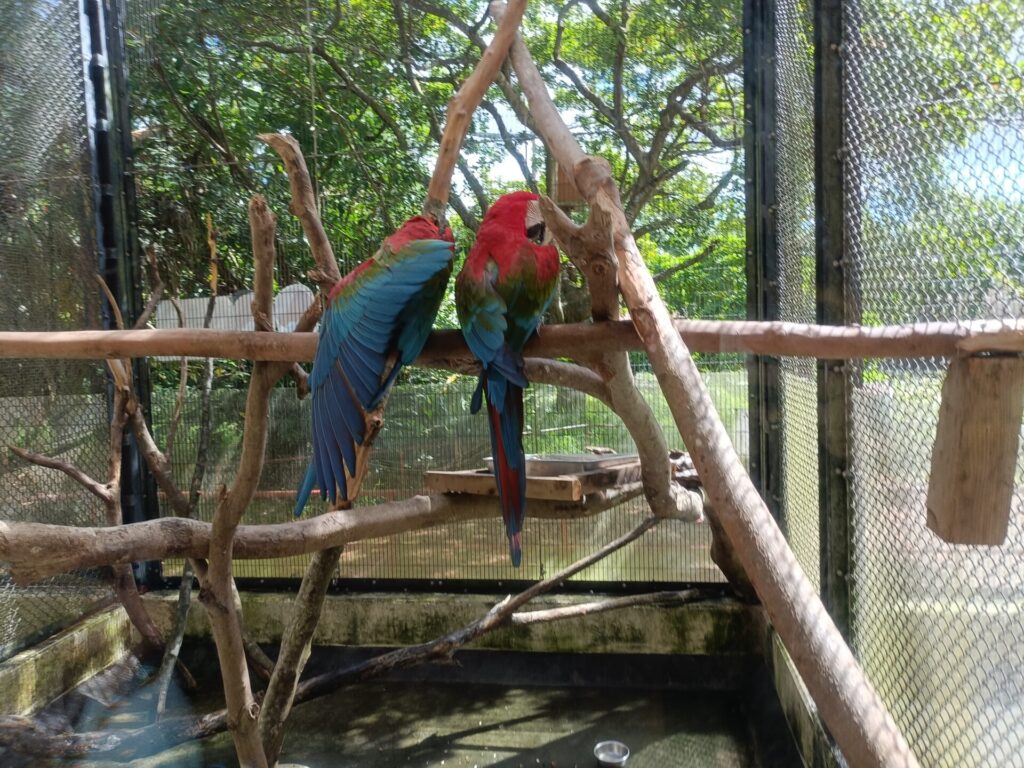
<point x="831" y="260"/>
<point x="113" y="202"/>
<point x="762" y="248"/>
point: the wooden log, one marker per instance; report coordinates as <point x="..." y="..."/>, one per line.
<point x="974" y="459"/>
<point x="570" y="340"/>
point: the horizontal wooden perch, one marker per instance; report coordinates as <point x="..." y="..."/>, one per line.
<point x="571" y="340"/>
<point x="37" y="550"/>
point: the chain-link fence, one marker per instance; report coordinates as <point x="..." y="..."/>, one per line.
<point x="47" y="267"/>
<point x="206" y="77"/>
<point x="797" y="388"/>
<point x="934" y="199"/>
<point x="933" y="220"/>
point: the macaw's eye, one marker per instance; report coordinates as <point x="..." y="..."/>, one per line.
<point x="536" y="233"/>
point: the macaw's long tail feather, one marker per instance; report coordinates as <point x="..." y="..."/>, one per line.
<point x="509" y="458"/>
<point x="305" y="489"/>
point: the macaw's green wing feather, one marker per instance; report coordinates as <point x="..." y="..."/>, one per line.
<point x="364" y="324"/>
<point x="482" y="315"/>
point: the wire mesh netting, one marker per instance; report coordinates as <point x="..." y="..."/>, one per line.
<point x="935" y="216"/>
<point x="798" y="393"/>
<point x="206" y="77"/>
<point x="428" y="426"/>
<point x="47" y="263"/>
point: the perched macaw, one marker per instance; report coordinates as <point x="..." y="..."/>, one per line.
<point x="501" y="295"/>
<point x="382" y="310"/>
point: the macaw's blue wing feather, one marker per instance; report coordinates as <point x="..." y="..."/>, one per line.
<point x="482" y="315"/>
<point x="485" y="319"/>
<point x="415" y="321"/>
<point x="364" y="325"/>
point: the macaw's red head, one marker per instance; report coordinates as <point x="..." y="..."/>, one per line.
<point x="417" y="228"/>
<point x="513" y="222"/>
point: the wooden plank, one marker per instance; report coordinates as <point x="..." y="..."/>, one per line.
<point x="609" y="477"/>
<point x="975" y="454"/>
<point x="482" y="483"/>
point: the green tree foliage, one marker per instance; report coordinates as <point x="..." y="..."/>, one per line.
<point x="654" y="86"/>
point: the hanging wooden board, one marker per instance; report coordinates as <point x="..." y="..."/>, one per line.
<point x="974" y="459"/>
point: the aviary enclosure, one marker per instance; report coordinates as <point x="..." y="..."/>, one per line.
<point x="783" y="366"/>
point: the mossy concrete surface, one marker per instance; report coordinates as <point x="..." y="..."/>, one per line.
<point x="40" y="674"/>
<point x="723" y="627"/>
<point x="379" y="725"/>
<point x="816" y="747"/>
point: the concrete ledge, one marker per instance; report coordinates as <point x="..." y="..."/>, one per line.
<point x="720" y="628"/>
<point x="40" y="674"/>
<point x="814" y="744"/>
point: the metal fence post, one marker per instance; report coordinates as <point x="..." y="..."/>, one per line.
<point x="762" y="249"/>
<point x="113" y="195"/>
<point x="830" y="253"/>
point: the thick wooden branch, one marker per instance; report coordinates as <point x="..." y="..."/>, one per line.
<point x="850" y="707"/>
<point x="591" y="249"/>
<point x="218" y="590"/>
<point x="560" y="374"/>
<point x="162" y="678"/>
<point x="464" y="103"/>
<point x="295" y="649"/>
<point x="124" y="578"/>
<point x="70" y="547"/>
<point x="263" y="225"/>
<point x="776" y="339"/>
<point x="304" y="207"/>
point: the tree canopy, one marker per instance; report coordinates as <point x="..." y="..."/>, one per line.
<point x="655" y="87"/>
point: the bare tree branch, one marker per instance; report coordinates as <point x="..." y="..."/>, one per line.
<point x="304" y="208"/>
<point x="218" y="592"/>
<point x="443" y="647"/>
<point x="510" y="146"/>
<point x="660" y="599"/>
<point x="826" y="342"/>
<point x="665" y="274"/>
<point x="170" y="537"/>
<point x="464" y="103"/>
<point x="97" y="489"/>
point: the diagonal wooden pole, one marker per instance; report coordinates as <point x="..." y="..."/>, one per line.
<point x="849" y="705"/>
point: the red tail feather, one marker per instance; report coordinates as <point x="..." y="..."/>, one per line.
<point x="512" y="504"/>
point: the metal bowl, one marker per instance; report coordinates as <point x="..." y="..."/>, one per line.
<point x="611" y="753"/>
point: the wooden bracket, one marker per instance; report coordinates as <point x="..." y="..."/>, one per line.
<point x="974" y="461"/>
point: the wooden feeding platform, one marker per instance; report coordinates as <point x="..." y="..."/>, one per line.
<point x="550" y="477"/>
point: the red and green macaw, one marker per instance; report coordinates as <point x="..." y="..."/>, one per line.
<point x="501" y="295"/>
<point x="381" y="311"/>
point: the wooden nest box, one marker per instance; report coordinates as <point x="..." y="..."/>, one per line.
<point x="551" y="477"/>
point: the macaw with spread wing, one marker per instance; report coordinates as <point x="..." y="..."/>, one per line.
<point x="501" y="295"/>
<point x="380" y="312"/>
